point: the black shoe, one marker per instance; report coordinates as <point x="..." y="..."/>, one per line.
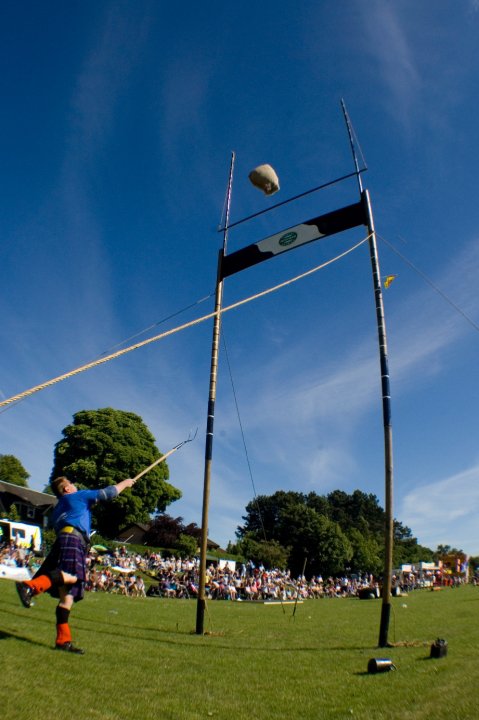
<point x="69" y="647"/>
<point x="25" y="594"/>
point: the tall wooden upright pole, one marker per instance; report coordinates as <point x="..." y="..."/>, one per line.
<point x="201" y="602"/>
<point x="386" y="395"/>
<point x="388" y="444"/>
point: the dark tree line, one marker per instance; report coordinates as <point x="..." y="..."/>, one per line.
<point x="330" y="534"/>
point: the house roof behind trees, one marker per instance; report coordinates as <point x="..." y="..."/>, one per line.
<point x="32" y="497"/>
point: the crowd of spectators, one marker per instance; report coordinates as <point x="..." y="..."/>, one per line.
<point x="14" y="555"/>
<point x="108" y="580"/>
<point x="123" y="572"/>
<point x="179" y="577"/>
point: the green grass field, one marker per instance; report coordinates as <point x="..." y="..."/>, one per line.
<point x="143" y="660"/>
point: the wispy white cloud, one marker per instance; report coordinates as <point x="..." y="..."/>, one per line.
<point x="104" y="76"/>
<point x="389" y="45"/>
<point x="184" y="95"/>
<point x="102" y="82"/>
<point x="445" y="512"/>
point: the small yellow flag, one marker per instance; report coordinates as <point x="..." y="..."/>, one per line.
<point x="388" y="280"/>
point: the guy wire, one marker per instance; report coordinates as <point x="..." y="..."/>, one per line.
<point x="430" y="283"/>
<point x="292" y="199"/>
<point x="255" y="495"/>
<point x="160" y="322"/>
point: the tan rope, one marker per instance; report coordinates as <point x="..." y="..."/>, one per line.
<point x="143" y="343"/>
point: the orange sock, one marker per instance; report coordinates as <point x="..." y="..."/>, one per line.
<point x="63" y="629"/>
<point x="63" y="634"/>
<point x="40" y="584"/>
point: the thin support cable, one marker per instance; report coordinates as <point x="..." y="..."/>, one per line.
<point x="160" y="322"/>
<point x="291" y="199"/>
<point x="255" y="494"/>
<point x="430" y="283"/>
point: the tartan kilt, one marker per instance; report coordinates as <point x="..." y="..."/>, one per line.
<point x="68" y="554"/>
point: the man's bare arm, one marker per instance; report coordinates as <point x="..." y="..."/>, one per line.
<point x="129" y="482"/>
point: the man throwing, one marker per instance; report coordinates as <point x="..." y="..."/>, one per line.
<point x="63" y="572"/>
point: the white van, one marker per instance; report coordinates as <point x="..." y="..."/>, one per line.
<point x="23" y="535"/>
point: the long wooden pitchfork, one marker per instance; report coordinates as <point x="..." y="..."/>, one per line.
<point x="163" y="457"/>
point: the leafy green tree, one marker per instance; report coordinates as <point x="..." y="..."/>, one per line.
<point x="442" y="551"/>
<point x="335" y="550"/>
<point x="425" y="554"/>
<point x="290" y="519"/>
<point x="401" y="532"/>
<point x="333" y="532"/>
<point x="102" y="447"/>
<point x="12" y="471"/>
<point x="271" y="554"/>
<point x="264" y="516"/>
<point x="319" y="503"/>
<point x="316" y="539"/>
<point x="366" y="552"/>
<point x="359" y="510"/>
<point x="186" y="545"/>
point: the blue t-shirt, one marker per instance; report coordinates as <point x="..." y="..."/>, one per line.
<point x="74" y="508"/>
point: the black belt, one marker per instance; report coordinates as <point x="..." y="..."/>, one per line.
<point x="70" y="530"/>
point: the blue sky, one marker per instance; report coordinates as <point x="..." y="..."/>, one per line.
<point x="118" y="123"/>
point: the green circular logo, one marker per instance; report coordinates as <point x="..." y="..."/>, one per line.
<point x="288" y="238"/>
